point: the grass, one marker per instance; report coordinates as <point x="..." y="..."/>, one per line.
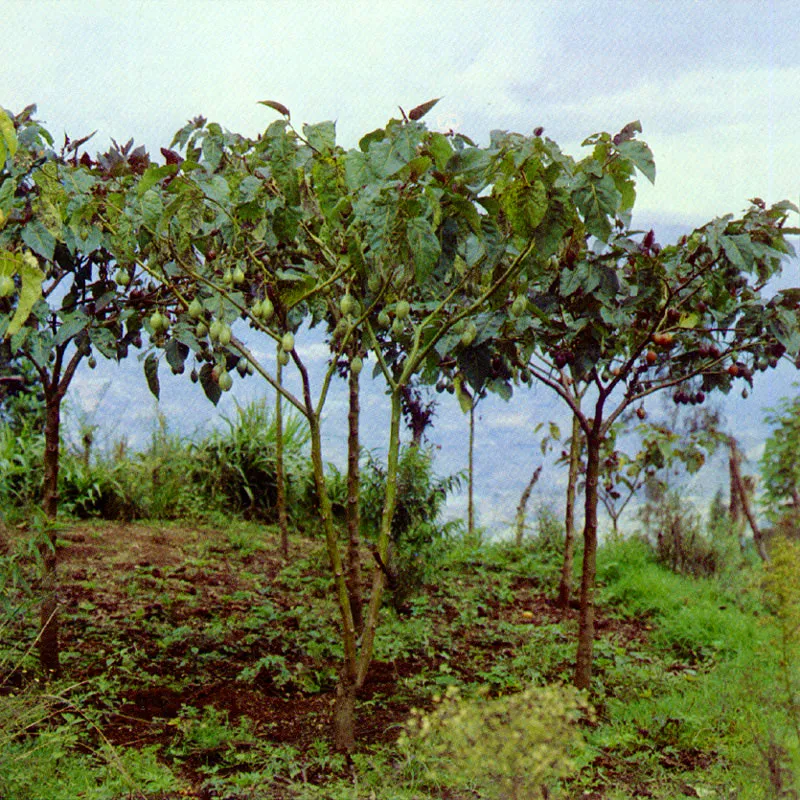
<point x="200" y="664"/>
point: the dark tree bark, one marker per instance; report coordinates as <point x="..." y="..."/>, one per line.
<point x="523" y="503"/>
<point x="280" y="472"/>
<point x="353" y="509"/>
<point x="48" y="618"/>
<point x="565" y="584"/>
<point x="583" y="665"/>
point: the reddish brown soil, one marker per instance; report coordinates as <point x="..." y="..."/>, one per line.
<point x="124" y="586"/>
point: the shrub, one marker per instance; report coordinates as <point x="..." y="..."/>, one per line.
<point x="511" y="747"/>
<point x="417" y="532"/>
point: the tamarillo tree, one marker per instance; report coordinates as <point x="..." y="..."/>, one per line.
<point x="396" y="248"/>
<point x="63" y="296"/>
<point x="615" y="317"/>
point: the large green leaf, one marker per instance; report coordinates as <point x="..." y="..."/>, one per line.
<point x="8" y="137"/>
<point x="30" y="289"/>
<point x="641" y="156"/>
<point x="597" y="200"/>
<point x="39" y="239"/>
<point x="424" y="245"/>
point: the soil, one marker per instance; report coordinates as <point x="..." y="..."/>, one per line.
<point x="127" y="590"/>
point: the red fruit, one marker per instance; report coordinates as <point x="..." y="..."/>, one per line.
<point x="211" y="255"/>
<point x="713" y="351"/>
<point x="733" y="370"/>
<point x="651" y="357"/>
<point x="641" y="413"/>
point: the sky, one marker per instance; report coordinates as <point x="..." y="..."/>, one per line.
<point x="716" y="86"/>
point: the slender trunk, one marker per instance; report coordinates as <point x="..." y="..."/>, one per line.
<point x="280" y="475"/>
<point x="523" y="504"/>
<point x="384" y="537"/>
<point x="744" y="500"/>
<point x="583" y="663"/>
<point x="344" y="720"/>
<point x="353" y="512"/>
<point x="471" y="474"/>
<point x="565" y="585"/>
<point x="48" y="637"/>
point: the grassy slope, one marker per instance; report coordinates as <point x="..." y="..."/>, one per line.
<point x="198" y="665"/>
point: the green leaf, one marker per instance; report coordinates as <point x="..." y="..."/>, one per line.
<point x="464" y="397"/>
<point x="597" y="200"/>
<point x="153" y="175"/>
<point x="104" y="340"/>
<point x="322" y="136"/>
<point x="8" y="137"/>
<point x="30" y="289"/>
<point x="152" y="208"/>
<point x="641" y="156"/>
<point x="424" y="245"/>
<point x="71" y="325"/>
<point x="39" y="239"/>
<point x="151" y="374"/>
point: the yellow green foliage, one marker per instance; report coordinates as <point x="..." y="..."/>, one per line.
<point x="511" y="747"/>
<point x="782" y="587"/>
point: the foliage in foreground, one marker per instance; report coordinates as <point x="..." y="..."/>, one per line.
<point x="510" y="747"/>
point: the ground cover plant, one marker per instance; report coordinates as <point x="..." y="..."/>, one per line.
<point x="202" y="664"/>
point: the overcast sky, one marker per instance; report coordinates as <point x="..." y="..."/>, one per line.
<point x="716" y="85"/>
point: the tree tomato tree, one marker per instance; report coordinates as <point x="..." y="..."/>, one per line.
<point x="61" y="297"/>
<point x="616" y="317"/>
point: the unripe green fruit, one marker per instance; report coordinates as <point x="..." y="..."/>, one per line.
<point x="287" y="342"/>
<point x="346" y="305"/>
<point x="356" y="365"/>
<point x="402" y="309"/>
<point x="470" y="332"/>
<point x="460" y="327"/>
<point x="7" y="286"/>
<point x="374" y="282"/>
<point x="158" y="322"/>
<point x="519" y="305"/>
<point x="384" y="320"/>
<point x="225" y="335"/>
<point x="214" y="330"/>
<point x="238" y="276"/>
<point x="283" y="357"/>
<point x="227" y="277"/>
<point x="121" y="277"/>
<point x="241" y="366"/>
<point x="225" y="382"/>
<point x="267" y="309"/>
<point x="397" y="327"/>
<point x="195" y="309"/>
<point x="200" y="330"/>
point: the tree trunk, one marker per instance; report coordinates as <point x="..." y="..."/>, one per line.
<point x="353" y="511"/>
<point x="48" y="621"/>
<point x="743" y="494"/>
<point x="471" y="474"/>
<point x="344" y="730"/>
<point x="523" y="503"/>
<point x="565" y="585"/>
<point x="280" y="474"/>
<point x="384" y="538"/>
<point x="344" y="713"/>
<point x="583" y="662"/>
